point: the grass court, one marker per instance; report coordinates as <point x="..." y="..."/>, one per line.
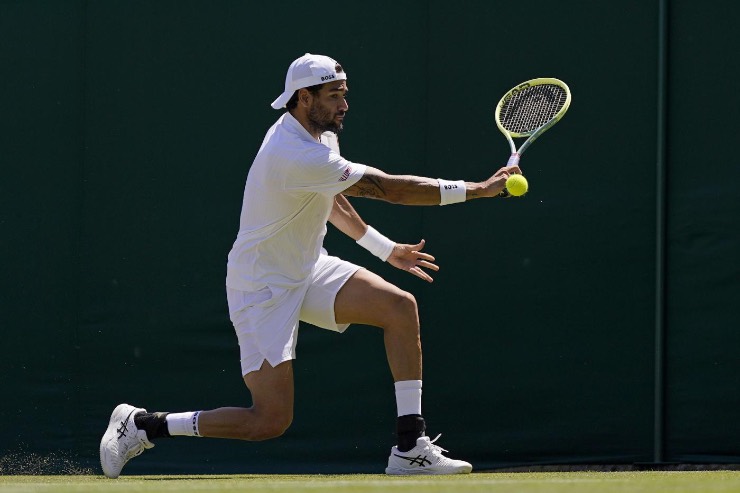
<point x="540" y="482"/>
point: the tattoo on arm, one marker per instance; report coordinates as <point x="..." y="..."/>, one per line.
<point x="368" y="186"/>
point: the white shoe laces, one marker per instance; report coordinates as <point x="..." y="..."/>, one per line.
<point x="437" y="448"/>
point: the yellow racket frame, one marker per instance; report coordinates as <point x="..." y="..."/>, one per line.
<point x="532" y="134"/>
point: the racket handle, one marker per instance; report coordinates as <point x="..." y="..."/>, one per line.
<point x="513" y="161"/>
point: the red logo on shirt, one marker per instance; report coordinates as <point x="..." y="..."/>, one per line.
<point x="346" y="174"/>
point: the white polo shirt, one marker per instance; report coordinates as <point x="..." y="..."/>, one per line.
<point x="287" y="200"/>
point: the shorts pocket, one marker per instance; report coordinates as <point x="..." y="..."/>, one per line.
<point x="243" y="300"/>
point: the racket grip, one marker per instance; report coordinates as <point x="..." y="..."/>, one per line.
<point x="513" y="161"/>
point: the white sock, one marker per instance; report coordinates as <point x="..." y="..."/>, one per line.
<point x="183" y="424"/>
<point x="408" y="397"/>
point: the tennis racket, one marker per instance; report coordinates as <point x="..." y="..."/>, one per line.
<point x="529" y="110"/>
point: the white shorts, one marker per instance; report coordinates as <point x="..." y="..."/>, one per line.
<point x="266" y="321"/>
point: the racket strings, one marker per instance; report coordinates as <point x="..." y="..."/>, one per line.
<point x="532" y="107"/>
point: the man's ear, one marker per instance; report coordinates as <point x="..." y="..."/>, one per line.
<point x="304" y="97"/>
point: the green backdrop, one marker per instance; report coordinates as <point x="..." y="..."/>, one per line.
<point x="127" y="132"/>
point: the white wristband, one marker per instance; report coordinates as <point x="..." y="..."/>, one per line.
<point x="451" y="192"/>
<point x="376" y="243"/>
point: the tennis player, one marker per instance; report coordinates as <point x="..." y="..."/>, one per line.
<point x="278" y="274"/>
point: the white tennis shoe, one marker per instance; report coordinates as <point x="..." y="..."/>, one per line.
<point x="122" y="441"/>
<point x="425" y="458"/>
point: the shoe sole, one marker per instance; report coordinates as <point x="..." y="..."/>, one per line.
<point x="426" y="472"/>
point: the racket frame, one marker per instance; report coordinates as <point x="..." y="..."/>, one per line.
<point x="532" y="134"/>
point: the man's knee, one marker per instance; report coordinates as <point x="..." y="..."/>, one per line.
<point x="408" y="303"/>
<point x="272" y="401"/>
<point x="403" y="310"/>
<point x="271" y="427"/>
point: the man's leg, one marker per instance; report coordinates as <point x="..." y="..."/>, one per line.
<point x="271" y="412"/>
<point x="368" y="299"/>
<point x="270" y="415"/>
<point x="131" y="430"/>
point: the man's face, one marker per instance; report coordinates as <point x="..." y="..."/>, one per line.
<point x="329" y="106"/>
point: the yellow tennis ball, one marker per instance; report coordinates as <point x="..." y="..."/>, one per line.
<point x="517" y="185"/>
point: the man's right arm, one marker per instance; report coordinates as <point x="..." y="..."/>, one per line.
<point x="419" y="190"/>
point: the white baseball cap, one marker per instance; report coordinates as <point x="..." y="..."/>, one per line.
<point x="308" y="70"/>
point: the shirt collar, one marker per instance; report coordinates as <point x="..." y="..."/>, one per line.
<point x="295" y="126"/>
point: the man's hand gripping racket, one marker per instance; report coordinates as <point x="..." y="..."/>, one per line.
<point x="529" y="110"/>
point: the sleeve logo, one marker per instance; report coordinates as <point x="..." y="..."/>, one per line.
<point x="345" y="175"/>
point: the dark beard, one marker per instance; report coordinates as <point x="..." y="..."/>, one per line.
<point x="321" y="120"/>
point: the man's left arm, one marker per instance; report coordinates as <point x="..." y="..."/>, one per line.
<point x="405" y="257"/>
<point x="346" y="219"/>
